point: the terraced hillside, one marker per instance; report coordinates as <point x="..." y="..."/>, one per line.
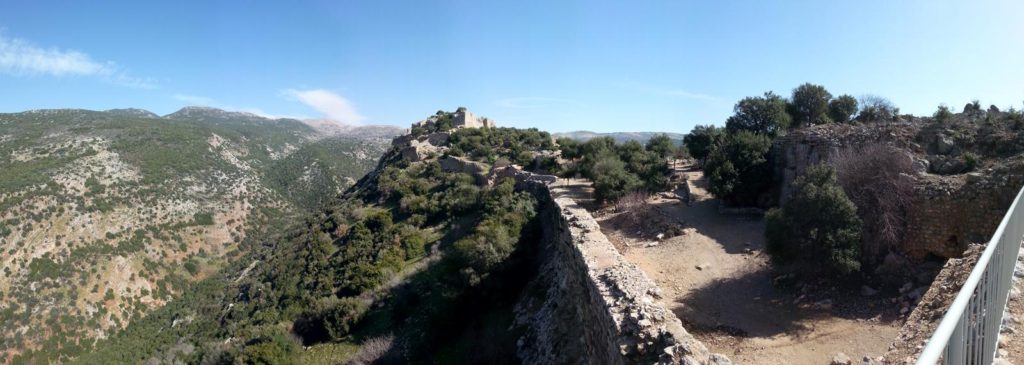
<point x="105" y="216"/>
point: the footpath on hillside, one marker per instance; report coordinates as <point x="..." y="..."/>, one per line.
<point x="715" y="276"/>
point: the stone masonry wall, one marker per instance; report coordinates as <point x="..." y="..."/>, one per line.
<point x="587" y="305"/>
<point x="947" y="212"/>
<point x="951" y="212"/>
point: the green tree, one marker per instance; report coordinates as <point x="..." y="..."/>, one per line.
<point x="661" y="145"/>
<point x="611" y="180"/>
<point x="809" y="105"/>
<point x="273" y="349"/>
<point x="702" y="140"/>
<point x="570" y="148"/>
<point x="818" y="228"/>
<point x="842" y="108"/>
<point x="738" y="170"/>
<point x="763" y="115"/>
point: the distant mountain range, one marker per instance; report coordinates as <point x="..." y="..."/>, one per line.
<point x="619" y="137"/>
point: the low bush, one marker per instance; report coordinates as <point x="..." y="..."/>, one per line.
<point x="817" y="230"/>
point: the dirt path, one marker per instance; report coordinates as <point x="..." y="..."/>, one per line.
<point x="717" y="279"/>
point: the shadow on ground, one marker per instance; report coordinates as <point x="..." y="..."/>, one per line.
<point x="751" y="306"/>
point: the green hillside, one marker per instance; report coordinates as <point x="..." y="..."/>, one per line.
<point x="413" y="264"/>
<point x="107" y="216"/>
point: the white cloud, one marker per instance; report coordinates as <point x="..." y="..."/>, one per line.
<point x="533" y="102"/>
<point x="331" y="105"/>
<point x="20" y="57"/>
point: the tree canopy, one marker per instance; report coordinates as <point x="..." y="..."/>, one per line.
<point x="760" y="114"/>
<point x="809" y="105"/>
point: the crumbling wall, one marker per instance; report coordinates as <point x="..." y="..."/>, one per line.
<point x="947" y="212"/>
<point x="797" y="151"/>
<point x="588" y="305"/>
<point x="951" y="212"/>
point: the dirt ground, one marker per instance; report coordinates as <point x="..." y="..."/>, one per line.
<point x="717" y="279"/>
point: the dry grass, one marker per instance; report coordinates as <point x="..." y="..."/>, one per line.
<point x="372" y="350"/>
<point x="633" y="208"/>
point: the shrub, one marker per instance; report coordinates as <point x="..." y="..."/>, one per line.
<point x="191" y="267"/>
<point x="273" y="349"/>
<point x="203" y="219"/>
<point x="970" y="161"/>
<point x="875" y="108"/>
<point x="943" y="115"/>
<point x="611" y="180"/>
<point x="633" y="207"/>
<point x="341" y="316"/>
<point x="738" y="170"/>
<point x="818" y="228"/>
<point x="876" y="179"/>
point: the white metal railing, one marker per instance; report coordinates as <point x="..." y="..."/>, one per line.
<point x="969" y="332"/>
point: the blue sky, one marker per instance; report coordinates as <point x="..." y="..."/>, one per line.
<point x="555" y="65"/>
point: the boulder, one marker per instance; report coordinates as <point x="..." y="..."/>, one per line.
<point x="841" y="359"/>
<point x="416" y="148"/>
<point x="942" y="145"/>
<point x="946" y="165"/>
<point x="921" y="165"/>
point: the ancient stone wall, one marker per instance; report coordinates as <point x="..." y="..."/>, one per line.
<point x="587" y="305"/>
<point x="953" y="211"/>
<point x="947" y="212"/>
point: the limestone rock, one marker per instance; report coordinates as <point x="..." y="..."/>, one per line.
<point x="841" y="359"/>
<point x="459" y="164"/>
<point x="416" y="148"/>
<point x="942" y="145"/>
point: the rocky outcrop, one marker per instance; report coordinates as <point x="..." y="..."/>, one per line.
<point x="414" y="148"/>
<point x="803" y="148"/>
<point x="925" y="317"/>
<point x="478" y="170"/>
<point x="588" y="304"/>
<point x="947" y="212"/>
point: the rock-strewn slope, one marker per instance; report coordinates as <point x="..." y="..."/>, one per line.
<point x="105" y="216"/>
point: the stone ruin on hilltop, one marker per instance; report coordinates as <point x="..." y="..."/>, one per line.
<point x="463" y="118"/>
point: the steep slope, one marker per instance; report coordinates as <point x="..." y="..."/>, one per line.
<point x="420" y="261"/>
<point x="108" y="215"/>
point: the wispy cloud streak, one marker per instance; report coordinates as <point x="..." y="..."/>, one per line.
<point x="331" y="105"/>
<point x="19" y="57"/>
